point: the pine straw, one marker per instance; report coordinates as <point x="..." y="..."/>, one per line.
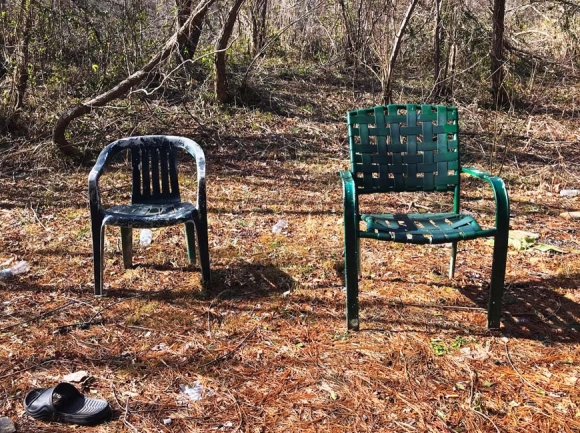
<point x="268" y="341"/>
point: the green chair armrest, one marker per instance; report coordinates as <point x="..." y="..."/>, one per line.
<point x="350" y="205"/>
<point x="349" y="194"/>
<point x="502" y="209"/>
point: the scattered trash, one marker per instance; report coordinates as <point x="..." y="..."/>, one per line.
<point x="476" y="354"/>
<point x="569" y="192"/>
<point x="167" y="421"/>
<point x="522" y="240"/>
<point x="145" y="237"/>
<point x="570" y="215"/>
<point x="331" y="393"/>
<point x="6" y="425"/>
<point x="77" y="376"/>
<point x="192" y="392"/>
<point x="280" y="226"/>
<point x="225" y="425"/>
<point x="17" y="268"/>
<point x="547" y="248"/>
<point x="71" y="407"/>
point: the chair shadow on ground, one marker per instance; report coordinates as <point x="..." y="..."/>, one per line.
<point x="537" y="310"/>
<point x="543" y="310"/>
<point x="236" y="280"/>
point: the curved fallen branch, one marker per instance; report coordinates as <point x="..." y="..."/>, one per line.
<point x="177" y="39"/>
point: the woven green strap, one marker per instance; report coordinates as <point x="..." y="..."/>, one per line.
<point x="425" y="228"/>
<point x="404" y="148"/>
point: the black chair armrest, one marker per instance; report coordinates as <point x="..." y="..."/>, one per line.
<point x="196" y="152"/>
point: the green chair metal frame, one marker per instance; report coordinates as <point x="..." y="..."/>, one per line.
<point x="155" y="198"/>
<point x="414" y="148"/>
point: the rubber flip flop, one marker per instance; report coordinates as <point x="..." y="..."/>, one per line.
<point x="64" y="403"/>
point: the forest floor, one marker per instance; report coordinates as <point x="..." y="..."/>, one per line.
<point x="266" y="344"/>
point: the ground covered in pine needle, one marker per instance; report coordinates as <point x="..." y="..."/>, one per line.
<point x="265" y="347"/>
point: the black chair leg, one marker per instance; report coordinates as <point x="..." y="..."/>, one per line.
<point x="98" y="253"/>
<point x="203" y="242"/>
<point x="190" y="241"/>
<point x="127" y="246"/>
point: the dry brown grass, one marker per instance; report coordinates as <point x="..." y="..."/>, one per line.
<point x="268" y="340"/>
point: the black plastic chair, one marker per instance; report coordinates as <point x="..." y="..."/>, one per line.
<point x="155" y="199"/>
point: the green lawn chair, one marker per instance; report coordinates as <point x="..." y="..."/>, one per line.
<point x="414" y="148"/>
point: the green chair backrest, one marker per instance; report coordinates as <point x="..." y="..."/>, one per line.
<point x="409" y="147"/>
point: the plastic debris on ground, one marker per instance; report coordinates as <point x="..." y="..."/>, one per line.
<point x="192" y="392"/>
<point x="16" y="269"/>
<point x="280" y="226"/>
<point x="145" y="237"/>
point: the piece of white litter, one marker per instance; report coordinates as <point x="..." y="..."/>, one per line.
<point x="17" y="268"/>
<point x="193" y="392"/>
<point x="145" y="237"/>
<point x="280" y="226"/>
<point x="77" y="376"/>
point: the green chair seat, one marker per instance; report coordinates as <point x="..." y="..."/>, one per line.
<point x="423" y="228"/>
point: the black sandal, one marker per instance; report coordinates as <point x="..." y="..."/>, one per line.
<point x="64" y="403"/>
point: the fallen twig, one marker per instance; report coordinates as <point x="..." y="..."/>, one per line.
<point x="229" y="353"/>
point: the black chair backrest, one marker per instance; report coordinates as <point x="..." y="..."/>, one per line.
<point x="155" y="177"/>
<point x="404" y="148"/>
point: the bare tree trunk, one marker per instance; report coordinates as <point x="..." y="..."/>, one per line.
<point x="59" y="131"/>
<point x="221" y="82"/>
<point x="449" y="74"/>
<point x="21" y="76"/>
<point x="447" y="49"/>
<point x="258" y="18"/>
<point x="500" y="97"/>
<point x="189" y="45"/>
<point x="389" y="67"/>
<point x="437" y="84"/>
<point x="350" y="46"/>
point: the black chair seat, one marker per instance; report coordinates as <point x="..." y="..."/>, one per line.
<point x="149" y="215"/>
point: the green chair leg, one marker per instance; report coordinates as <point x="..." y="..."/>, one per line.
<point x="190" y="241"/>
<point x="351" y="272"/>
<point x="452" y="260"/>
<point x="496" y="287"/>
<point x="127" y="246"/>
<point x="358" y="264"/>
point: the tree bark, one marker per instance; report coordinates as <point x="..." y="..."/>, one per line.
<point x="500" y="96"/>
<point x="258" y="17"/>
<point x="221" y="82"/>
<point x="21" y="75"/>
<point x="189" y="46"/>
<point x="390" y="66"/>
<point x="437" y="84"/>
<point x="59" y="131"/>
<point x="350" y="46"/>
